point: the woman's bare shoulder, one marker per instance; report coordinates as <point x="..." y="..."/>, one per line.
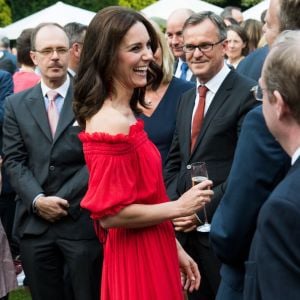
<point x="108" y="120"/>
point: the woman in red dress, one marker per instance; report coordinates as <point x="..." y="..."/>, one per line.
<point x="126" y="194"/>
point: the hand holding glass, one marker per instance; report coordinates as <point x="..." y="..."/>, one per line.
<point x="199" y="174"/>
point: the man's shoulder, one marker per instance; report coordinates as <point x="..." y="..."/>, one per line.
<point x="4" y="74"/>
<point x="23" y="95"/>
<point x="258" y="54"/>
<point x="238" y="82"/>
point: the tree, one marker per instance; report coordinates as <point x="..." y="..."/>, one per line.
<point x="5" y="14"/>
<point x="239" y="3"/>
<point x="19" y="10"/>
<point x="249" y="3"/>
<point x="136" y="4"/>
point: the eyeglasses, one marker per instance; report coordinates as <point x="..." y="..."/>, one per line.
<point x="257" y="92"/>
<point x="189" y="48"/>
<point x="49" y="51"/>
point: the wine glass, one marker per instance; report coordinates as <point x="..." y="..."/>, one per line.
<point x="199" y="174"/>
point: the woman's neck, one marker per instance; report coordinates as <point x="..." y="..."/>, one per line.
<point x="25" y="68"/>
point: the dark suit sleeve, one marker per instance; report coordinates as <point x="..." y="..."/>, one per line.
<point x="77" y="185"/>
<point x="277" y="253"/>
<point x="246" y="105"/>
<point x="259" y="164"/>
<point x="173" y="161"/>
<point x="15" y="159"/>
<point x="6" y="89"/>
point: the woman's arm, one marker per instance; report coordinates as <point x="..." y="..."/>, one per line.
<point x="190" y="275"/>
<point x="142" y="215"/>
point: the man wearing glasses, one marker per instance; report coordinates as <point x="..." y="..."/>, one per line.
<point x="259" y="165"/>
<point x="45" y="164"/>
<point x="210" y="137"/>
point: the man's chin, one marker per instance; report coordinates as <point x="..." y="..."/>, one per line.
<point x="179" y="54"/>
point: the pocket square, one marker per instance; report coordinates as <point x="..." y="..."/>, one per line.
<point x="75" y="123"/>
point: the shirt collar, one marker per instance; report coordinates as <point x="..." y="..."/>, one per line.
<point x="62" y="90"/>
<point x="71" y="72"/>
<point x="295" y="156"/>
<point x="214" y="83"/>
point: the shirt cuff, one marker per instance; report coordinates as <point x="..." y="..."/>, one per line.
<point x="34" y="202"/>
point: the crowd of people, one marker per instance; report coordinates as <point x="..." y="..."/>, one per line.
<point x="100" y="128"/>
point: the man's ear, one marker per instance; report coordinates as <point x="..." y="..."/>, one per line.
<point x="282" y="109"/>
<point x="33" y="57"/>
<point x="225" y="46"/>
<point x="76" y="48"/>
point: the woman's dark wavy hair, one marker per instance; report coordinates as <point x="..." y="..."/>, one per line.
<point x="98" y="61"/>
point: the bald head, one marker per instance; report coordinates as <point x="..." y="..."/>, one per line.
<point x="174" y="30"/>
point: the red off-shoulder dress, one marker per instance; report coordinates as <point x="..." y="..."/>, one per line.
<point x="139" y="264"/>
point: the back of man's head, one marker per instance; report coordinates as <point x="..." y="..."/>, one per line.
<point x="76" y="32"/>
<point x="4" y="42"/>
<point x="232" y="12"/>
<point x="289" y="15"/>
<point x="282" y="63"/>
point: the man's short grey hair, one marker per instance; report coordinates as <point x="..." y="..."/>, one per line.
<point x="200" y="17"/>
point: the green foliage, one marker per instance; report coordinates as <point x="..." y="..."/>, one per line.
<point x="5" y="14"/>
<point x="249" y="3"/>
<point x="240" y="3"/>
<point x="136" y="4"/>
<point x="20" y="294"/>
<point x="19" y="10"/>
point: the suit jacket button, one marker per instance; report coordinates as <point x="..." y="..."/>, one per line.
<point x="188" y="167"/>
<point x="51" y="168"/>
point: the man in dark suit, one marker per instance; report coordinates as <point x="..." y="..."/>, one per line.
<point x="6" y="203"/>
<point x="46" y="167"/>
<point x="227" y="101"/>
<point x="8" y="61"/>
<point x="273" y="268"/>
<point x="259" y="165"/>
<point x="251" y="65"/>
<point x="6" y="88"/>
<point x="76" y="33"/>
<point x="175" y="40"/>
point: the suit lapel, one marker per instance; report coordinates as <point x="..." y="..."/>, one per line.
<point x="66" y="115"/>
<point x="218" y="101"/>
<point x="187" y="115"/>
<point x="36" y="107"/>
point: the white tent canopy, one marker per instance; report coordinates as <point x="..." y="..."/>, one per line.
<point x="163" y="8"/>
<point x="255" y="11"/>
<point x="60" y="13"/>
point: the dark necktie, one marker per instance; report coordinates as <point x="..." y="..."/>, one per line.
<point x="53" y="114"/>
<point x="184" y="68"/>
<point x="198" y="116"/>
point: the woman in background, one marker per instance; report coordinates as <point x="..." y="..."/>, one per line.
<point x="126" y="194"/>
<point x="253" y="29"/>
<point x="160" y="114"/>
<point x="237" y="47"/>
<point x="26" y="77"/>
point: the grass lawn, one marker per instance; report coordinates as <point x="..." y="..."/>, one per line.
<point x="20" y="294"/>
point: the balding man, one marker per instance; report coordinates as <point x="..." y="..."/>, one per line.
<point x="175" y="40"/>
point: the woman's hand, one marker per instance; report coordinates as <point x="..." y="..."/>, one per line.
<point x="190" y="275"/>
<point x="195" y="198"/>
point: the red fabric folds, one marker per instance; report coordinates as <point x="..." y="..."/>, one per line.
<point x="139" y="264"/>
